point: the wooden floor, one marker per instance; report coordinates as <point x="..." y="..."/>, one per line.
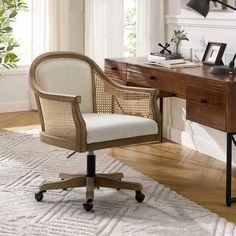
<point x="189" y="173"/>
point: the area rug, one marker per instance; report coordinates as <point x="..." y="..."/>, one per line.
<point x="25" y="162"/>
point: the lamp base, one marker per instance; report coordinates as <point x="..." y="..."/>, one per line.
<point x="223" y="70"/>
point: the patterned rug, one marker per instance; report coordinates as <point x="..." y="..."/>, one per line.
<point x="25" y="162"/>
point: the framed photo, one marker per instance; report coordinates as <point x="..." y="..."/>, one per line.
<point x="217" y="6"/>
<point x="214" y="53"/>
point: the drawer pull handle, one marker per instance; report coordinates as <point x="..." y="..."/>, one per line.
<point x="203" y="101"/>
<point x="114" y="68"/>
<point x="152" y="77"/>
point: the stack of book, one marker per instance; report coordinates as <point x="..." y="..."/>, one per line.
<point x="156" y="56"/>
<point x="173" y="64"/>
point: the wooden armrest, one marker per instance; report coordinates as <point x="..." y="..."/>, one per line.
<point x="58" y="97"/>
<point x="130" y="93"/>
<point x="61" y="117"/>
<point x="131" y="89"/>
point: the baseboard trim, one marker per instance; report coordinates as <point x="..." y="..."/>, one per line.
<point x="205" y="146"/>
<point x="15" y="106"/>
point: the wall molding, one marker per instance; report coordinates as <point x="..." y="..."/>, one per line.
<point x="217" y="20"/>
<point x="18" y="71"/>
<point x="15" y="106"/>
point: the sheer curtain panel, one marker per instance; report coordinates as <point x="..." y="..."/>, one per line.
<point x="50" y="29"/>
<point x="103" y="29"/>
<point x="150" y="25"/>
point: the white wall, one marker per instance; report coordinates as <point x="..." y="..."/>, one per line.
<point x="217" y="27"/>
<point x="14" y="87"/>
<point x="14" y="90"/>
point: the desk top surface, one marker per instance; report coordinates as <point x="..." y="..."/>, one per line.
<point x="202" y="71"/>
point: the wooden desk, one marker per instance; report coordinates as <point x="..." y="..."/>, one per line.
<point x="210" y="99"/>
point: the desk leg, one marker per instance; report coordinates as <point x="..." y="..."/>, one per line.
<point x="161" y="110"/>
<point x="229" y="199"/>
<point x="161" y="105"/>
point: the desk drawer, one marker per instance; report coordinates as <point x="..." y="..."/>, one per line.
<point x="116" y="70"/>
<point x="207" y="104"/>
<point x="142" y="80"/>
<point x="119" y="81"/>
<point x="170" y="84"/>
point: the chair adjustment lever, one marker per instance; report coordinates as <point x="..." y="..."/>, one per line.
<point x="70" y="155"/>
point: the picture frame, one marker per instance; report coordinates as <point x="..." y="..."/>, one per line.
<point x="219" y="7"/>
<point x="214" y="53"/>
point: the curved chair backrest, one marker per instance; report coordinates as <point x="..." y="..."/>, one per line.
<point x="66" y="75"/>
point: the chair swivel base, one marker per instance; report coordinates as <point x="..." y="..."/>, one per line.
<point x="112" y="180"/>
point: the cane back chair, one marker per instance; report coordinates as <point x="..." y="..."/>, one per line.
<point x="82" y="110"/>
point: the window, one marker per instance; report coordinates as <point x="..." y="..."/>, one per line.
<point x="22" y="29"/>
<point x="130" y="19"/>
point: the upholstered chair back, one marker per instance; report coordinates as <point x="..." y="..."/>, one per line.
<point x="67" y="76"/>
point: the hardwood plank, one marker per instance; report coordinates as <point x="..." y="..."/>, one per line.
<point x="19" y="120"/>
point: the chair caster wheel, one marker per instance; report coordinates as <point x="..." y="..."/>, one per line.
<point x="39" y="196"/>
<point x="64" y="188"/>
<point x="88" y="205"/>
<point x="118" y="188"/>
<point x="139" y="196"/>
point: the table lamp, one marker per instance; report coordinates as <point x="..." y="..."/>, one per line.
<point x="202" y="7"/>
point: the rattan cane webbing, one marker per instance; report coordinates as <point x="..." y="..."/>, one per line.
<point x="58" y="119"/>
<point x="109" y="99"/>
<point x="103" y="100"/>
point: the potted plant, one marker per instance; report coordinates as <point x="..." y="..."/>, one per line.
<point x="177" y="37"/>
<point x="8" y="12"/>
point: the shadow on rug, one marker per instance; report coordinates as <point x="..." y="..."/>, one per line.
<point x="25" y="163"/>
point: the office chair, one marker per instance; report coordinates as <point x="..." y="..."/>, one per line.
<point x="82" y="110"/>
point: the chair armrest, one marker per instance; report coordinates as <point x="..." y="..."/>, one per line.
<point x="151" y="91"/>
<point x="136" y="101"/>
<point x="58" y="97"/>
<point x="61" y="117"/>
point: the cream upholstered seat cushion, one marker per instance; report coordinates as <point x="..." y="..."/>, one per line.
<point x="106" y="127"/>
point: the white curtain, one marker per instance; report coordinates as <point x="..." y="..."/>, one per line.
<point x="150" y="25"/>
<point x="95" y="29"/>
<point x="103" y="29"/>
<point x="50" y="28"/>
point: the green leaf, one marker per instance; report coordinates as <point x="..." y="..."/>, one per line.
<point x="7" y="29"/>
<point x="9" y="2"/>
<point x="9" y="48"/>
<point x="10" y="65"/>
<point x="6" y="59"/>
<point x="2" y="12"/>
<point x="5" y="66"/>
<point x="13" y="14"/>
